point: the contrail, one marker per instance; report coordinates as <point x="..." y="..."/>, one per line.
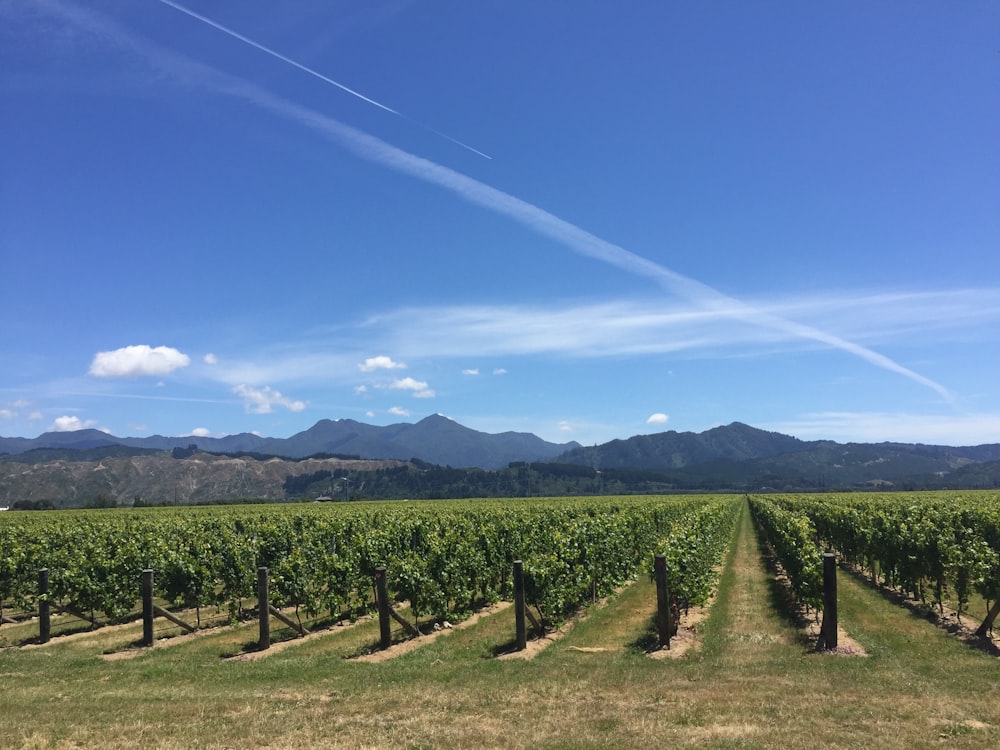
<point x="375" y="150"/>
<point x="317" y="74"/>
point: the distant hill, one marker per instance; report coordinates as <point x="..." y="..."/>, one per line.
<point x="676" y="450"/>
<point x="738" y="455"/>
<point x="434" y="439"/>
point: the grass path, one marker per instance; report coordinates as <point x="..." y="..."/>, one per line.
<point x="747" y="629"/>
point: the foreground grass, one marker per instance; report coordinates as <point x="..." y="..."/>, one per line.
<point x="754" y="683"/>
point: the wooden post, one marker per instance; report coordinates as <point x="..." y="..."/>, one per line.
<point x="147" y="607"/>
<point x="44" y="621"/>
<point x="384" y="609"/>
<point x="519" y="624"/>
<point x="828" y="630"/>
<point x="263" y="610"/>
<point x="663" y="625"/>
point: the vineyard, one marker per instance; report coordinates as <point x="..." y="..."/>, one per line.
<point x="588" y="561"/>
<point x="444" y="559"/>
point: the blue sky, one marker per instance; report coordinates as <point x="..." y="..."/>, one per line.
<point x="578" y="219"/>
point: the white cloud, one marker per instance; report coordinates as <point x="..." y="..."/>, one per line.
<point x="624" y="327"/>
<point x="399" y="411"/>
<point x="657" y="326"/>
<point x="361" y="389"/>
<point x="71" y="424"/>
<point x="419" y="387"/>
<point x="200" y="432"/>
<point x="657" y="418"/>
<point x="380" y="362"/>
<point x="210" y="359"/>
<point x="7" y="414"/>
<point x="263" y="400"/>
<point x="565" y="426"/>
<point x="471" y="371"/>
<point x="133" y="361"/>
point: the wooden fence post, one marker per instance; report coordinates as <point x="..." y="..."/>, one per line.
<point x="44" y="621"/>
<point x="263" y="610"/>
<point x="828" y="630"/>
<point x="147" y="607"/>
<point x="384" y="613"/>
<point x="664" y="626"/>
<point x="519" y="624"/>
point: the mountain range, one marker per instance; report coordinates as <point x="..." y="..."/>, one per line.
<point x="752" y="458"/>
<point x="434" y="439"/>
<point x="344" y="458"/>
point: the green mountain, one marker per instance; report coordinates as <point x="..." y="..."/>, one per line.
<point x="676" y="450"/>
<point x="740" y="456"/>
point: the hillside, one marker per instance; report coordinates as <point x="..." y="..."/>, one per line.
<point x="676" y="450"/>
<point x="744" y="457"/>
<point x="162" y="479"/>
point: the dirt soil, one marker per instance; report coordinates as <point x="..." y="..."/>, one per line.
<point x="536" y="645"/>
<point x="687" y="638"/>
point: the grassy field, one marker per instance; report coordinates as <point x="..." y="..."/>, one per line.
<point x="752" y="682"/>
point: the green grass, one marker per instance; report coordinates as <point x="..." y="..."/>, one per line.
<point x="753" y="683"/>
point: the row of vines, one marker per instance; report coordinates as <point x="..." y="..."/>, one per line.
<point x="934" y="546"/>
<point x="442" y="557"/>
<point x="794" y="541"/>
<point x="693" y="551"/>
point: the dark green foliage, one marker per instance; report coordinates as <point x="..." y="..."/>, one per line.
<point x="33" y="505"/>
<point x="923" y="544"/>
<point x="442" y="557"/>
